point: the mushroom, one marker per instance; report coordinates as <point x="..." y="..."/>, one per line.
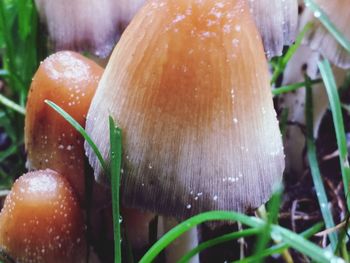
<point x="41" y="221"/>
<point x="69" y="80"/>
<point x="188" y="84"/>
<point x="320" y="39"/>
<point x="93" y="26"/>
<point x="318" y="42"/>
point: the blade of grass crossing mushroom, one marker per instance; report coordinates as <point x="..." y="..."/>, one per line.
<point x="291" y="239"/>
<point x="80" y="129"/>
<point x="321" y="15"/>
<point x="338" y="121"/>
<point x="315" y="170"/>
<point x="116" y="157"/>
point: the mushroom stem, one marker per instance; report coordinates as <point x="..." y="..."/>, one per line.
<point x="137" y="226"/>
<point x="182" y="245"/>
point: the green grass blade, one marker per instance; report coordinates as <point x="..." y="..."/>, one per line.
<point x="272" y="217"/>
<point x="81" y="130"/>
<point x="281" y="65"/>
<point x="116" y="157"/>
<point x="11" y="105"/>
<point x="283" y="122"/>
<point x="293" y="240"/>
<point x="293" y="87"/>
<point x="315" y="170"/>
<point x="217" y="241"/>
<point x="345" y="43"/>
<point x="24" y="17"/>
<point x="338" y="122"/>
<point x="278" y="249"/>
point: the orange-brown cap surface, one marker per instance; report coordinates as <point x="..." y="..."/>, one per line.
<point x="69" y="80"/>
<point x="41" y="221"/>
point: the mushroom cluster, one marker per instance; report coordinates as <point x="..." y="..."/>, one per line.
<point x="188" y="83"/>
<point x="69" y="80"/>
<point x="42" y="219"/>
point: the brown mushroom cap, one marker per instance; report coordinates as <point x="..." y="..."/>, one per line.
<point x="69" y="80"/>
<point x="41" y="221"/>
<point x="188" y="84"/>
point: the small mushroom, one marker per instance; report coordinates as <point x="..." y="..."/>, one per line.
<point x="188" y="84"/>
<point x="69" y="80"/>
<point x="41" y="221"/>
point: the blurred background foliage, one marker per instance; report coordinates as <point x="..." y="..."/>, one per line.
<point x="23" y="45"/>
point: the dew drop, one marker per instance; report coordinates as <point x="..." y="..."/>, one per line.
<point x="317" y="14"/>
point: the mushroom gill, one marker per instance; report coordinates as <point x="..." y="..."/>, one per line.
<point x="80" y="25"/>
<point x="277" y="23"/>
<point x="188" y="84"/>
<point x="98" y="25"/>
